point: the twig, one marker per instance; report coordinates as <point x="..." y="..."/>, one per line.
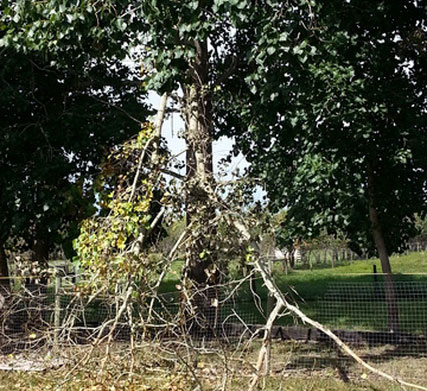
<point x="155" y="139"/>
<point x="117" y="108"/>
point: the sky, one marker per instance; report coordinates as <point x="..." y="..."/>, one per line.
<point x="174" y="126"/>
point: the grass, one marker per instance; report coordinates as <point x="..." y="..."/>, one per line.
<point x="314" y="283"/>
<point x="157" y="370"/>
<point x="14" y="381"/>
<point x="357" y="279"/>
<point x="313" y="286"/>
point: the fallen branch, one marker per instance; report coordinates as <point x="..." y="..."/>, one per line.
<point x="263" y="353"/>
<point x="155" y="139"/>
<point x="275" y="291"/>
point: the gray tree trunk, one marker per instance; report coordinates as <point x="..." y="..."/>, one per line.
<point x="200" y="273"/>
<point x="199" y="176"/>
<point x="390" y="293"/>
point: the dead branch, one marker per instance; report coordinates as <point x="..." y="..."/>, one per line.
<point x="155" y="139"/>
<point x="158" y="127"/>
<point x="275" y="291"/>
<point x="272" y="287"/>
<point x="263" y="353"/>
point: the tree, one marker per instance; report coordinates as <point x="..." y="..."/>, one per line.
<point x="341" y="140"/>
<point x="58" y="123"/>
<point x="421" y="225"/>
<point x="193" y="47"/>
<point x="199" y="47"/>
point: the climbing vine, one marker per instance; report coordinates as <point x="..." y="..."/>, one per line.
<point x="128" y="191"/>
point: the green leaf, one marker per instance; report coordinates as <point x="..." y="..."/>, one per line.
<point x="271" y="50"/>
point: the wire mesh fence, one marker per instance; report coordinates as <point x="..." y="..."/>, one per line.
<point x="358" y="313"/>
<point x="54" y="313"/>
<point x="363" y="306"/>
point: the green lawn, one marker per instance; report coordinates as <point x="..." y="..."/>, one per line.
<point x="312" y="284"/>
<point x="345" y="296"/>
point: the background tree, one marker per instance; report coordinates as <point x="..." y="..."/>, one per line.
<point x="57" y="124"/>
<point x="421" y="225"/>
<point x="340" y="139"/>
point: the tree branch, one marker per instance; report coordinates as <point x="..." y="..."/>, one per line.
<point x="275" y="291"/>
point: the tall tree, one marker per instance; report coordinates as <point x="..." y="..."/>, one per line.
<point x="199" y="47"/>
<point x="193" y="47"/>
<point x="340" y="141"/>
<point x="57" y="123"/>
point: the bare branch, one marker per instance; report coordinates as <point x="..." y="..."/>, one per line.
<point x="263" y="354"/>
<point x="274" y="290"/>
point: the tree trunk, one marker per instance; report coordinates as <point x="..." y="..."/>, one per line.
<point x="4" y="270"/>
<point x="199" y="183"/>
<point x="200" y="273"/>
<point x="390" y="294"/>
<point x="41" y="251"/>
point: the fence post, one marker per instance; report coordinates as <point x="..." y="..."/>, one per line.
<point x="57" y="311"/>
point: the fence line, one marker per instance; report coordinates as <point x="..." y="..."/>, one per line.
<point x="54" y="315"/>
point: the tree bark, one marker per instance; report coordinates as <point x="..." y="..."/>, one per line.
<point x="377" y="232"/>
<point x="199" y="176"/>
<point x="41" y="252"/>
<point x="200" y="275"/>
